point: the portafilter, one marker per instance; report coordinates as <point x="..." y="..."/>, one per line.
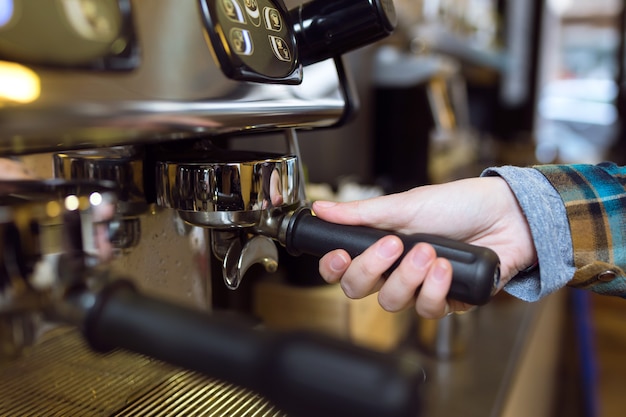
<point x="259" y="195"/>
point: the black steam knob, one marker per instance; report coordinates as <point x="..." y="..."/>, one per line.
<point x="326" y="29"/>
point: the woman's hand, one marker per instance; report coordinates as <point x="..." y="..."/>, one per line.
<point x="479" y="211"/>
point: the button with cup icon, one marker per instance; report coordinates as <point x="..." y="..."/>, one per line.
<point x="280" y="48"/>
<point x="273" y="20"/>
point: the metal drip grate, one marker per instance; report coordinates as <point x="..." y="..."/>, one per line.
<point x="62" y="377"/>
<point x="190" y="395"/>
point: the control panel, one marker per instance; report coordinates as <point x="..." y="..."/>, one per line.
<point x="253" y="40"/>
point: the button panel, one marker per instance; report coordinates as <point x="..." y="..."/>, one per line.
<point x="252" y="40"/>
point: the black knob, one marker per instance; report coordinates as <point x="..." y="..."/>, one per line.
<point x="326" y="29"/>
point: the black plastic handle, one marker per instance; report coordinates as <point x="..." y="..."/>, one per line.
<point x="303" y="374"/>
<point x="326" y="29"/>
<point x="476" y="270"/>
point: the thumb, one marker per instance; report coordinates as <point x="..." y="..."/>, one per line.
<point x="344" y="213"/>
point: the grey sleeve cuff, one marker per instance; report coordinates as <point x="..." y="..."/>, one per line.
<point x="549" y="227"/>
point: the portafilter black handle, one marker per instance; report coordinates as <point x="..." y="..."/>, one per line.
<point x="303" y="374"/>
<point x="476" y="269"/>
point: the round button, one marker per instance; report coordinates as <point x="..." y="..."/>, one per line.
<point x="606" y="276"/>
<point x="252" y="8"/>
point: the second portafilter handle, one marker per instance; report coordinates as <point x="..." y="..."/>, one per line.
<point x="302" y="374"/>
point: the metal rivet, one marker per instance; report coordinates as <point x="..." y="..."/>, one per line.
<point x="606" y="276"/>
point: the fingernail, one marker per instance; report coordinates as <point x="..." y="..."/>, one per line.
<point x="325" y="204"/>
<point x="338" y="263"/>
<point x="440" y="271"/>
<point x="421" y="259"/>
<point x="388" y="249"/>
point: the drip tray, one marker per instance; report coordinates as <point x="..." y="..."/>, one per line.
<point x="61" y="376"/>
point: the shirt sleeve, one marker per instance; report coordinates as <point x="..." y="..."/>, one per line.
<point x="547" y="218"/>
<point x="594" y="198"/>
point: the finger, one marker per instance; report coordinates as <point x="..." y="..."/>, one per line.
<point x="363" y="276"/>
<point x="376" y="212"/>
<point x="401" y="286"/>
<point x="431" y="301"/>
<point x="333" y="265"/>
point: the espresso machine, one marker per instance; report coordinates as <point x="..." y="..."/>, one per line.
<point x="109" y="258"/>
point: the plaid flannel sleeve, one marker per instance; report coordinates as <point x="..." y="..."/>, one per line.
<point x="595" y="203"/>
